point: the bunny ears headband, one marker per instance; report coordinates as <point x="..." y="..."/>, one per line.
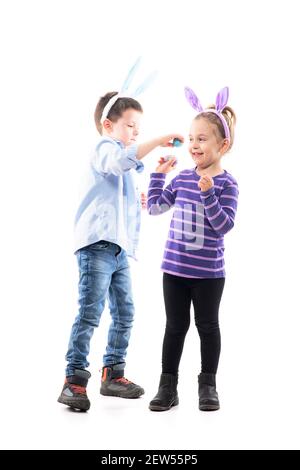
<point x="221" y="101"/>
<point x="191" y="96"/>
<point x="124" y="90"/>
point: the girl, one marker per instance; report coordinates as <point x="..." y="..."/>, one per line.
<point x="205" y="200"/>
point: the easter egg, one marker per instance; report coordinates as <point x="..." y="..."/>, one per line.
<point x="176" y="142"/>
<point x="169" y="157"/>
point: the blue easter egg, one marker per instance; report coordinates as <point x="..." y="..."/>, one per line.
<point x="176" y="142"/>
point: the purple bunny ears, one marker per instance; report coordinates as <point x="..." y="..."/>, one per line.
<point x="221" y="101"/>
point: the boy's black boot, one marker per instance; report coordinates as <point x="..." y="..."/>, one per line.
<point x="74" y="390"/>
<point x="114" y="384"/>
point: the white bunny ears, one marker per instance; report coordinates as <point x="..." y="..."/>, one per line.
<point x="126" y="85"/>
<point x="221" y="101"/>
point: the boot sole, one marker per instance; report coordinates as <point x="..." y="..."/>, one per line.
<point x="163" y="408"/>
<point x="209" y="407"/>
<point x="74" y="405"/>
<point x="120" y="395"/>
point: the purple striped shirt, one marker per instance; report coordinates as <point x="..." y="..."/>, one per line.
<point x="195" y="244"/>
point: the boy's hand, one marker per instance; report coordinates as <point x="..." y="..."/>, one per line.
<point x="165" y="166"/>
<point x="165" y="140"/>
<point x="205" y="183"/>
<point x="144" y="200"/>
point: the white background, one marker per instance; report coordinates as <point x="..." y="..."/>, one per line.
<point x="57" y="58"/>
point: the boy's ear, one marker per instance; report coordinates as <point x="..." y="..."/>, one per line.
<point x="107" y="125"/>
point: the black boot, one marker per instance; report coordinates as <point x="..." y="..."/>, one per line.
<point x="74" y="391"/>
<point x="114" y="384"/>
<point x="166" y="396"/>
<point x="208" y="396"/>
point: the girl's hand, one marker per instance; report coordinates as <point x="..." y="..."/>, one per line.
<point x="165" y="166"/>
<point x="144" y="200"/>
<point x="165" y="140"/>
<point x="205" y="183"/>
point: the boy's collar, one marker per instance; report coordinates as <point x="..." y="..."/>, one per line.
<point x="106" y="136"/>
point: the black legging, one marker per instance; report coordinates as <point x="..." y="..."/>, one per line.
<point x="206" y="295"/>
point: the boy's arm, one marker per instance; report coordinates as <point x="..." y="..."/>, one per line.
<point x="163" y="141"/>
<point x="109" y="158"/>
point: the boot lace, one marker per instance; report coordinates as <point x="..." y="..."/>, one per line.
<point x="78" y="389"/>
<point x="124" y="381"/>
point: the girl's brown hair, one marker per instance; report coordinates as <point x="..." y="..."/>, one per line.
<point x="229" y="116"/>
<point x="117" y="109"/>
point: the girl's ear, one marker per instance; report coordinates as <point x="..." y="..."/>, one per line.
<point x="193" y="99"/>
<point x="222" y="99"/>
<point x="225" y="146"/>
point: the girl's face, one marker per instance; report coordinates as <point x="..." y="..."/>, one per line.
<point x="204" y="147"/>
<point x="126" y="128"/>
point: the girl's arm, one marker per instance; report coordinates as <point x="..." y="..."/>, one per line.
<point x="221" y="212"/>
<point x="160" y="200"/>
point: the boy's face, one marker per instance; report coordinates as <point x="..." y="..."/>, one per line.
<point x="126" y="128"/>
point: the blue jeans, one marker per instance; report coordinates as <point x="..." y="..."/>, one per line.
<point x="103" y="272"/>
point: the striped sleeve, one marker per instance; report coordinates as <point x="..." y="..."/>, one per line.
<point x="221" y="211"/>
<point x="159" y="200"/>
